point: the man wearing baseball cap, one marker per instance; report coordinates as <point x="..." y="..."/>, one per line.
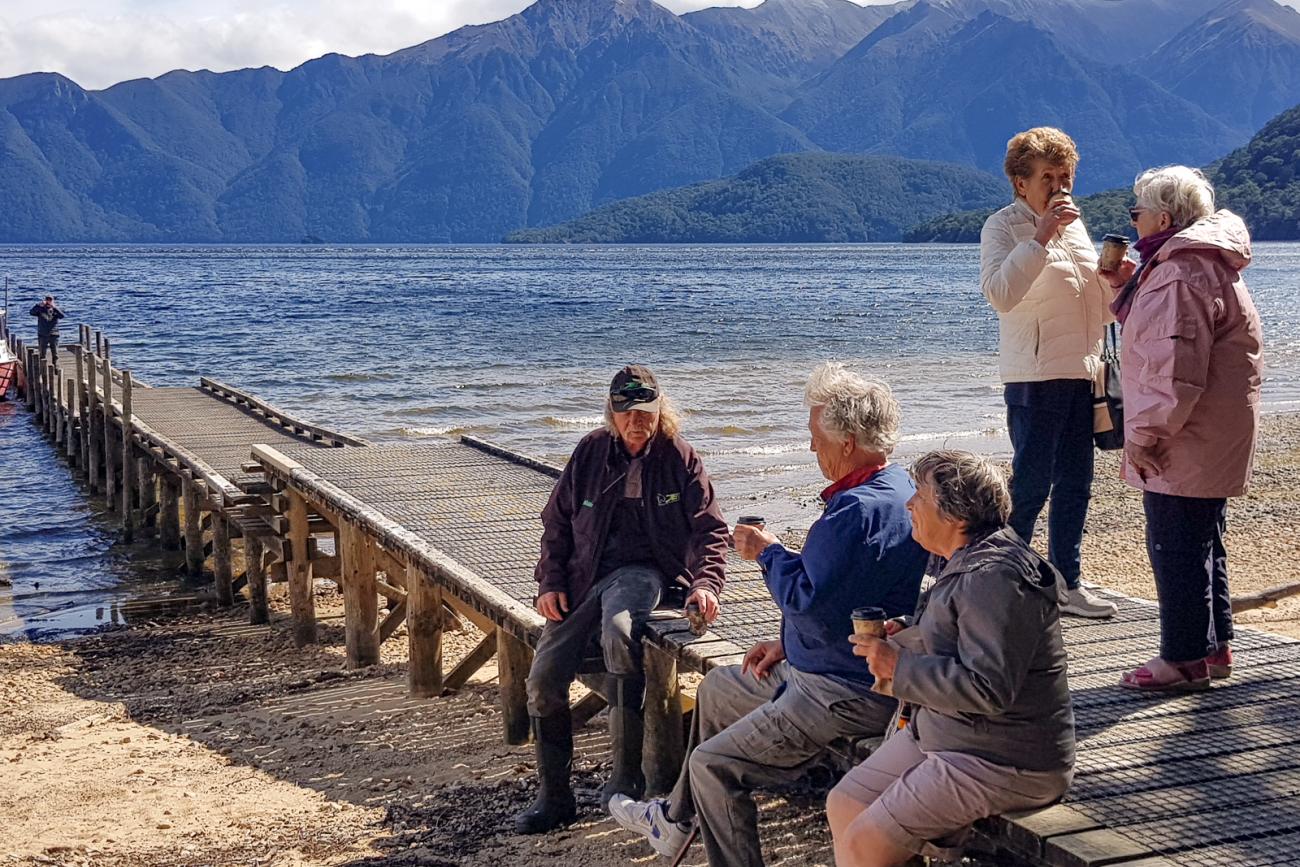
<point x="632" y="519"/>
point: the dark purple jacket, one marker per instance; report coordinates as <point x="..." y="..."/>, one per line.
<point x="683" y="521"/>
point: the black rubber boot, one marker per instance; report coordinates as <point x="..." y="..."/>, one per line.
<point x="554" y="807"/>
<point x="626" y="728"/>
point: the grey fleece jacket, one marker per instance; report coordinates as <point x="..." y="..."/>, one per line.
<point x="985" y="665"/>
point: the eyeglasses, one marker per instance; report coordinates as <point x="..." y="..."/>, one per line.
<point x="1133" y="214"/>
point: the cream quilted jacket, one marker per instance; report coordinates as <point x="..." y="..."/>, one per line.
<point x="1052" y="306"/>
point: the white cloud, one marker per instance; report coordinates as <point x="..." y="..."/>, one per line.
<point x="113" y="40"/>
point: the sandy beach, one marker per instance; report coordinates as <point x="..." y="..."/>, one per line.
<point x="200" y="740"/>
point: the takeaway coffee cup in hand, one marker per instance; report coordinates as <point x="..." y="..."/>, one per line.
<point x="871" y="621"/>
<point x="1113" y="248"/>
<point x="752" y="521"/>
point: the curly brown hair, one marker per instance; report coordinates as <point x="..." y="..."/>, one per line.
<point x="1040" y="143"/>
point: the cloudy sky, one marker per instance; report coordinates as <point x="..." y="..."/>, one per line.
<point x="100" y="42"/>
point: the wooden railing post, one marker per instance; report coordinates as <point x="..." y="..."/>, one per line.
<point x="424" y="621"/>
<point x="514" y="658"/>
<point x="254" y="569"/>
<point x="300" y="576"/>
<point x="110" y="470"/>
<point x="360" y="596"/>
<point x="664" y="731"/>
<point x="191" y="501"/>
<point x="128" y="465"/>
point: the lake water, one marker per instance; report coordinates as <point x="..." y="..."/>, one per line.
<point x="517" y="344"/>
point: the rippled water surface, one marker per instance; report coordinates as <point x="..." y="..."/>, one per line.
<point x="515" y="344"/>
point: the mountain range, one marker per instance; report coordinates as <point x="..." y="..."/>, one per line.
<point x="573" y="104"/>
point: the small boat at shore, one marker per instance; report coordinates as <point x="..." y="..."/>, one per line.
<point x="8" y="371"/>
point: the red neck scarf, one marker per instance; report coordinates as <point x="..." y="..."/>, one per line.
<point x="852" y="480"/>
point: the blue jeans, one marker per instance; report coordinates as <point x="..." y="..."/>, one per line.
<point x="1185" y="544"/>
<point x="1051" y="434"/>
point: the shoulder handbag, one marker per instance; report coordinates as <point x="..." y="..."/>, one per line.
<point x="1107" y="397"/>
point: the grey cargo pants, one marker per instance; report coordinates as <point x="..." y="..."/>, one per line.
<point x="748" y="733"/>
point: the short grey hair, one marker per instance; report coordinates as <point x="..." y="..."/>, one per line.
<point x="854" y="407"/>
<point x="1183" y="193"/>
<point x="967" y="488"/>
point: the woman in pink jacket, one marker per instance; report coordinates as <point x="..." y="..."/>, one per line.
<point x="1191" y="373"/>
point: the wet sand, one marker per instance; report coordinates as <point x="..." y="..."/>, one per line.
<point x="199" y="740"/>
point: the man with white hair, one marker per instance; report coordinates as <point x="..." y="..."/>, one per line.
<point x="771" y="718"/>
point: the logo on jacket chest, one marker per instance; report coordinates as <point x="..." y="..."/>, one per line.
<point x="668" y="499"/>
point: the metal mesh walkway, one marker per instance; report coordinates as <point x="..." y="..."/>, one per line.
<point x="218" y="432"/>
<point x="1206" y="779"/>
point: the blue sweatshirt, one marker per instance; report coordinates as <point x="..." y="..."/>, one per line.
<point x="860" y="552"/>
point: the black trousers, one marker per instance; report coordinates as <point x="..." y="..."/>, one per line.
<point x="1050" y="424"/>
<point x="1185" y="544"/>
<point x="50" y="342"/>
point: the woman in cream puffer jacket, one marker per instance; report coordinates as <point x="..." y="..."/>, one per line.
<point x="1038" y="269"/>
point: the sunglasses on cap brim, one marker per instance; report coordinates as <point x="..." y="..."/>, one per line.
<point x="634" y="395"/>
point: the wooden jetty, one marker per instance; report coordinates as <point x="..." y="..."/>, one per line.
<point x="1204" y="779"/>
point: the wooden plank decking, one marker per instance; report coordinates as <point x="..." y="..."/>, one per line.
<point x="1204" y="779"/>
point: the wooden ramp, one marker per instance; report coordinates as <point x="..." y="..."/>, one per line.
<point x="1208" y="779"/>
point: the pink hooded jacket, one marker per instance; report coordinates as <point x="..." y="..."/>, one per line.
<point x="1191" y="363"/>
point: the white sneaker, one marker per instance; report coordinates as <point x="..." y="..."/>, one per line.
<point x="1081" y="603"/>
<point x="647" y="819"/>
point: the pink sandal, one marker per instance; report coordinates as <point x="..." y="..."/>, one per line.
<point x="1160" y="675"/>
<point x="1220" y="662"/>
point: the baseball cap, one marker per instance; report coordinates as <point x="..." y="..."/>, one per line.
<point x="634" y="387"/>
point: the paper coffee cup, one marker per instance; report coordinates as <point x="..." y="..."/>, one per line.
<point x="1113" y="248"/>
<point x="869" y="621"/>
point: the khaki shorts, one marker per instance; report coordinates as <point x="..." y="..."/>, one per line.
<point x="925" y="802"/>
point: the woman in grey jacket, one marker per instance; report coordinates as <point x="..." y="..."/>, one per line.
<point x="981" y="676"/>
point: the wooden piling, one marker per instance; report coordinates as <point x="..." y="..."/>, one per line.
<point x="128" y="465"/>
<point x="58" y="417"/>
<point x="300" y="575"/>
<point x="664" y="731"/>
<point x="513" y="661"/>
<point x="147" y="496"/>
<point x="79" y="369"/>
<point x="110" y="470"/>
<point x="223" y="573"/>
<point x="70" y="423"/>
<point x="29" y="376"/>
<point x="360" y="597"/>
<point x="94" y="438"/>
<point x="424" y="622"/>
<point x="253" y="568"/>
<point x="191" y="502"/>
<point x="169" y="521"/>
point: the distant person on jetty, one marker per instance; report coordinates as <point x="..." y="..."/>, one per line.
<point x="770" y="719"/>
<point x="981" y="674"/>
<point x="1038" y="268"/>
<point x="1191" y="370"/>
<point x="47" y="316"/>
<point x="632" y="518"/>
